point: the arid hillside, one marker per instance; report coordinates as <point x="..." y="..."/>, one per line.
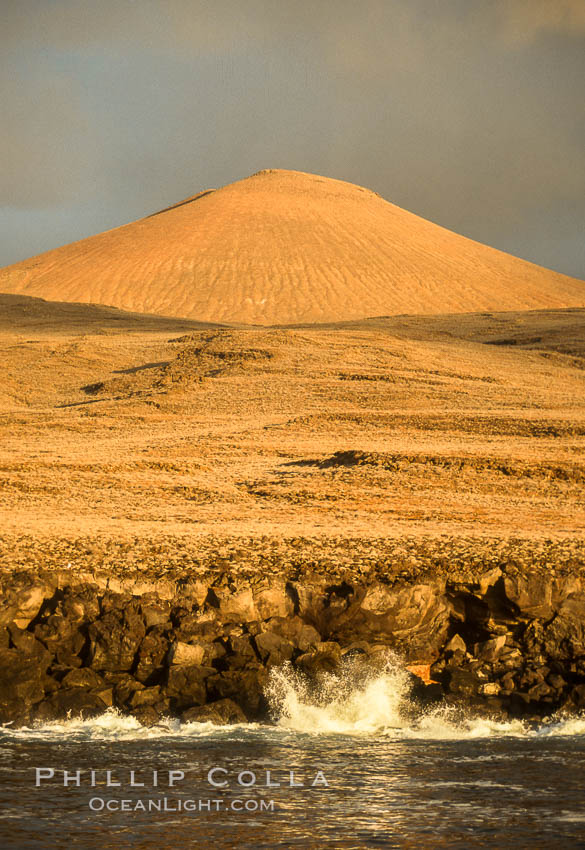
<point x="125" y="434"/>
<point x="282" y="247"/>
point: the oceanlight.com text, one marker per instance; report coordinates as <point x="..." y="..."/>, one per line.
<point x="164" y="804"/>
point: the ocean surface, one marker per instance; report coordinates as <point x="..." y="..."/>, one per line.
<point x="349" y="764"/>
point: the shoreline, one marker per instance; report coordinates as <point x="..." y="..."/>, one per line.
<point x="495" y="640"/>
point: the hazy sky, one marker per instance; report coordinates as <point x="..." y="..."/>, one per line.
<point x="468" y="112"/>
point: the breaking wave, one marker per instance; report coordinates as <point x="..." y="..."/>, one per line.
<point x="361" y="701"/>
<point x="355" y="701"/>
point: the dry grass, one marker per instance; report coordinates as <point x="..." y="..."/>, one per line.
<point x="165" y="443"/>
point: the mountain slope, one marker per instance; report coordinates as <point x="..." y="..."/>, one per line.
<point x="283" y="247"/>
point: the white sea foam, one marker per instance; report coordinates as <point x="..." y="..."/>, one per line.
<point x="353" y="701"/>
<point x="114" y="726"/>
<point x="356" y="701"/>
<point x="568" y="726"/>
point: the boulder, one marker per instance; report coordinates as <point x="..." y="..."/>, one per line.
<point x="416" y="617"/>
<point x="235" y="606"/>
<point x="273" y="601"/>
<point x="273" y="649"/>
<point x="21" y="683"/>
<point x="124" y="685"/>
<point x="489" y="650"/>
<point x="155" y="613"/>
<point x="427" y="694"/>
<point x="146" y="715"/>
<point x="115" y="639"/>
<point x="152" y="656"/>
<point x="221" y="712"/>
<point x="456" y="644"/>
<point x="325" y="659"/>
<point x="25" y="642"/>
<point x="530" y="593"/>
<point x="186" y="653"/>
<point x="146" y="696"/>
<point x="82" y="678"/>
<point x="70" y="702"/>
<point x="564" y="635"/>
<point x="27" y="605"/>
<point x="490" y="689"/>
<point x="241" y="651"/>
<point x="302" y="635"/>
<point x="245" y="687"/>
<point x="577" y="696"/>
<point x="186" y="685"/>
<point x="463" y="683"/>
<point x="310" y="599"/>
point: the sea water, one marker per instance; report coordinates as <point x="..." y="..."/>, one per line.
<point x="346" y="763"/>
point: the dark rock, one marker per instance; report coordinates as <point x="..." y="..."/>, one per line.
<point x="124" y="685"/>
<point x="235" y="605"/>
<point x="303" y="636"/>
<point x="510" y="657"/>
<point x="461" y="682"/>
<point x="556" y="681"/>
<point x="427" y="694"/>
<point x="507" y="682"/>
<point x="21" y="683"/>
<point x="241" y="651"/>
<point x="416" y="617"/>
<point x="82" y="678"/>
<point x="565" y="634"/>
<point x="50" y="684"/>
<point x="60" y="635"/>
<point x="65" y="657"/>
<point x="156" y="614"/>
<point x="115" y="639"/>
<point x="273" y="601"/>
<point x="519" y="704"/>
<point x="111" y="601"/>
<point x="539" y="691"/>
<point x="152" y="655"/>
<point x="273" y="649"/>
<point x="490" y="650"/>
<point x="147" y="696"/>
<point x="221" y="712"/>
<point x="519" y="645"/>
<point x="70" y="702"/>
<point x="186" y="685"/>
<point x="319" y="661"/>
<point x="455" y="644"/>
<point x="578" y="696"/>
<point x="354" y="650"/>
<point x="245" y="687"/>
<point x="146" y="715"/>
<point x="531" y="594"/>
<point x="21" y="603"/>
<point x="193" y="624"/>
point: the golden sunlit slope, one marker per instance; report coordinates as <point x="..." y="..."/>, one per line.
<point x="126" y="429"/>
<point x="283" y="247"/>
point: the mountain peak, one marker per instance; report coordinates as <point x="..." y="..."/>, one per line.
<point x="287" y="246"/>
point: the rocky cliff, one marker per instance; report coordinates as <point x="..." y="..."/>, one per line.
<point x="504" y="642"/>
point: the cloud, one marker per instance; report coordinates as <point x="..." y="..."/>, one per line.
<point x="524" y="21"/>
<point x="234" y="25"/>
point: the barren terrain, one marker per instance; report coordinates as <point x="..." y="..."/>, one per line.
<point x="284" y="246"/>
<point x="140" y="442"/>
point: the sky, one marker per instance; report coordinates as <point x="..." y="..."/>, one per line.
<point x="470" y="113"/>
